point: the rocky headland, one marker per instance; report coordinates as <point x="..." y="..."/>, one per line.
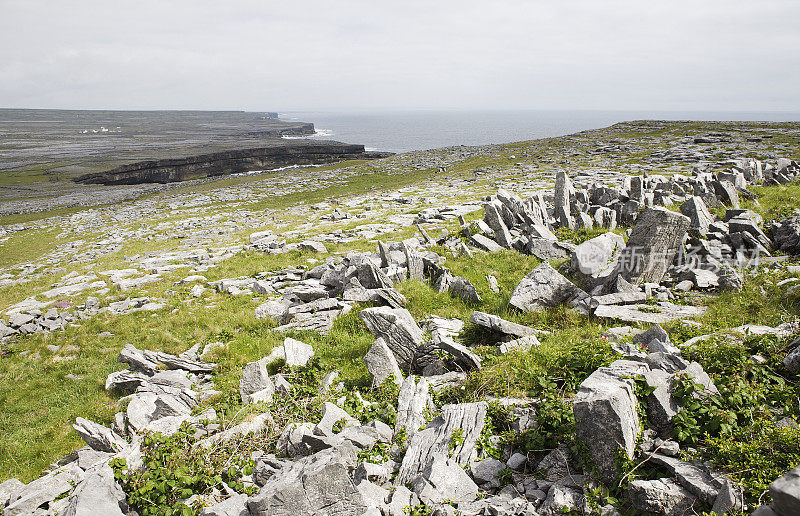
<point x="278" y="155"/>
<point x="602" y="323"/>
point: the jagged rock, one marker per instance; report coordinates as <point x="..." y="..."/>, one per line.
<point x="331" y="416"/>
<point x="373" y="495"/>
<point x="464" y="358"/>
<point x="486" y="473"/>
<point x="663" y="496"/>
<point x="377" y="473"/>
<point x="258" y="423"/>
<point x="699" y="216"/>
<point x="522" y="344"/>
<point x="236" y="505"/>
<point x="98" y="494"/>
<point x="695" y="478"/>
<point x="139" y="360"/>
<point x="444" y="479"/>
<point x="729" y="499"/>
<point x="382" y="365"/>
<point x="485" y="243"/>
<point x="272" y="309"/>
<point x="661" y="407"/>
<point x="412" y="402"/>
<point x="727" y="193"/>
<point x="546" y="249"/>
<point x="700" y="278"/>
<point x="98" y="437"/>
<point x="496" y="324"/>
<point x="435" y="439"/>
<point x="125" y="382"/>
<point x="290" y="442"/>
<point x="596" y="258"/>
<point x="605" y="414"/>
<point x="463" y="289"/>
<point x="653" y="245"/>
<point x="255" y="384"/>
<point x="562" y="499"/>
<point x="660" y="313"/>
<point x="656" y="340"/>
<point x="495" y="221"/>
<point x="785" y="493"/>
<point x="786" y="235"/>
<point x="561" y="200"/>
<point x="317" y="484"/>
<point x="312" y="245"/>
<point x="398" y="329"/>
<point x="293" y="352"/>
<point x="43" y="490"/>
<point x="544" y="287"/>
<point x="8" y="489"/>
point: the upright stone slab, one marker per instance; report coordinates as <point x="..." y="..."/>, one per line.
<point x="397" y="328"/>
<point x="653" y="245"/>
<point x="436" y="439"/>
<point x="698" y="214"/>
<point x="382" y="365"/>
<point x="785" y="493"/>
<point x="561" y="200"/>
<point x="544" y="287"/>
<point x="495" y="221"/>
<point x="606" y="421"/>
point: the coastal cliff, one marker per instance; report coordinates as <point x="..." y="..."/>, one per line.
<point x="229" y="162"/>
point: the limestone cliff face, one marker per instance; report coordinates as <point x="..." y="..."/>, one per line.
<point x="281" y="154"/>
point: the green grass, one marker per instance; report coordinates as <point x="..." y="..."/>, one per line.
<point x="38" y="404"/>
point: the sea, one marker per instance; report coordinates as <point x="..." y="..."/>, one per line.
<point x="402" y="131"/>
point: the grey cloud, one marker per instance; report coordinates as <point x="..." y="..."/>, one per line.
<point x="580" y="54"/>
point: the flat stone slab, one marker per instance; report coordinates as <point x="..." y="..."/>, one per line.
<point x="660" y="313"/>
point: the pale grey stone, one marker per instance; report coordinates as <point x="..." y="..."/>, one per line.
<point x="653" y="245"/>
<point x="236" y="505"/>
<point x="434" y="440"/>
<point x="255" y="378"/>
<point x="398" y="329"/>
<point x="412" y="402"/>
<point x="444" y="479"/>
<point x="99" y="437"/>
<point x="98" y="494"/>
<point x="785" y="493"/>
<point x="496" y="324"/>
<point x="662" y="496"/>
<point x="382" y="365"/>
<point x="606" y="420"/>
<point x="544" y="287"/>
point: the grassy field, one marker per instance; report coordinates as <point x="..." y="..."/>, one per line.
<point x="42" y="392"/>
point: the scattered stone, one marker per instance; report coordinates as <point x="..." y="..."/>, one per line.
<point x="544" y="287"/>
<point x="605" y="414"/>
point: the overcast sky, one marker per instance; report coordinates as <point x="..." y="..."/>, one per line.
<point x="741" y="55"/>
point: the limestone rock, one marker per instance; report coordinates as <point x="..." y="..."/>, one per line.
<point x="653" y="245"/>
<point x="99" y="437"/>
<point x="662" y="496"/>
<point x="98" y="494"/>
<point x="496" y="324"/>
<point x="398" y="329"/>
<point x="382" y="365"/>
<point x="544" y="287"/>
<point x="435" y="439"/>
<point x="444" y="479"/>
<point x="785" y="492"/>
<point x="255" y="379"/>
<point x="605" y="414"/>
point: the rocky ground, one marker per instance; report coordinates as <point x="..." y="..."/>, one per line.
<point x="601" y="323"/>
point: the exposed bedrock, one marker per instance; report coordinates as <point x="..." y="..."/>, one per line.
<point x="279" y="155"/>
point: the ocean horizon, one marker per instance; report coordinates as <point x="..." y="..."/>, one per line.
<point x="404" y="131"/>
